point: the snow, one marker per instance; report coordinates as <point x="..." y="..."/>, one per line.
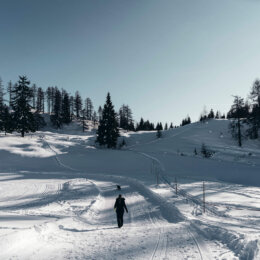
<point x="57" y="192"/>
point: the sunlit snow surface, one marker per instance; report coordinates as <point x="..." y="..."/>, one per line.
<point x="57" y="193"/>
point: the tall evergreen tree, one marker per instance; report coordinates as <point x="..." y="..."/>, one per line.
<point x="237" y="110"/>
<point x="253" y="119"/>
<point x="22" y="116"/>
<point x="100" y="111"/>
<point x="126" y="118"/>
<point x="65" y="113"/>
<point x="6" y="120"/>
<point x="40" y="101"/>
<point x="1" y="105"/>
<point x="71" y="107"/>
<point x="9" y="90"/>
<point x="89" y="109"/>
<point x="108" y="132"/>
<point x="48" y="95"/>
<point x="211" y="114"/>
<point x="78" y="104"/>
<point x="56" y="117"/>
<point x="95" y="118"/>
<point x="34" y="95"/>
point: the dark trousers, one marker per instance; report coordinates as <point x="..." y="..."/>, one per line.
<point x="120" y="220"/>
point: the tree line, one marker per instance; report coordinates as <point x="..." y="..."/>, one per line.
<point x="246" y="114"/>
<point x="22" y="108"/>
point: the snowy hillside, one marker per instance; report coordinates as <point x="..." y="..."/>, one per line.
<point x="57" y="193"/>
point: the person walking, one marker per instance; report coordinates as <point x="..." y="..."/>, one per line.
<point x="119" y="208"/>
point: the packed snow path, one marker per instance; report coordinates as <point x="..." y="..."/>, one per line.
<point x="74" y="219"/>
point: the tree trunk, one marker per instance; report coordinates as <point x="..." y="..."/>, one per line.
<point x="239" y="132"/>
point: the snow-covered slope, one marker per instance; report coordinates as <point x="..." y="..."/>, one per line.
<point x="57" y="192"/>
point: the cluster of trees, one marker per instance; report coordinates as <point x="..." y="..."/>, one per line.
<point x="148" y="126"/>
<point x="23" y="109"/>
<point x="16" y="113"/>
<point x="205" y="115"/>
<point x="246" y="113"/>
<point x="186" y="121"/>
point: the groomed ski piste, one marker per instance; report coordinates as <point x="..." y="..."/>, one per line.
<point x="57" y="192"/>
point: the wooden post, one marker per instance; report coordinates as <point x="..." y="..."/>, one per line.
<point x="204" y="197"/>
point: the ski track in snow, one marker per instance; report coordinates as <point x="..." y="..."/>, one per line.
<point x="161" y="244"/>
<point x="73" y="218"/>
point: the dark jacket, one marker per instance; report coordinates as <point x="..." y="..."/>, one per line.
<point x="120" y="205"/>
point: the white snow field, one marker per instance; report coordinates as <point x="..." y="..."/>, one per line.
<point x="57" y="193"/>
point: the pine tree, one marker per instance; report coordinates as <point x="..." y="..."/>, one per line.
<point x="7" y="125"/>
<point x="22" y="116"/>
<point x="49" y="99"/>
<point x="171" y="126"/>
<point x="253" y="118"/>
<point x="211" y="114"/>
<point x="89" y="109"/>
<point x="140" y="126"/>
<point x="34" y="95"/>
<point x="166" y="126"/>
<point x="1" y="105"/>
<point x="218" y="115"/>
<point x="126" y="118"/>
<point x="95" y="118"/>
<point x="78" y="104"/>
<point x="237" y="110"/>
<point x="56" y="117"/>
<point x="9" y="90"/>
<point x="40" y="101"/>
<point x="65" y="107"/>
<point x="100" y="111"/>
<point x="71" y="107"/>
<point x="108" y="132"/>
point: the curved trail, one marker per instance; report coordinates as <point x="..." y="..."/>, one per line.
<point x="85" y="225"/>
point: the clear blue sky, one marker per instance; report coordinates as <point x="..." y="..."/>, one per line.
<point x="165" y="59"/>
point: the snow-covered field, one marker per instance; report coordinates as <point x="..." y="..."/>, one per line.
<point x="57" y="193"/>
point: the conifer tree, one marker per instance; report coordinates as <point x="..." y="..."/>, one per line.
<point x="211" y="114"/>
<point x="108" y="132"/>
<point x="95" y="118"/>
<point x="126" y="118"/>
<point x="78" y="104"/>
<point x="100" y="111"/>
<point x="253" y="118"/>
<point x="71" y="107"/>
<point x="7" y="120"/>
<point x="49" y="99"/>
<point x="65" y="113"/>
<point x="34" y="95"/>
<point x="56" y="117"/>
<point x="88" y="109"/>
<point x="22" y="116"/>
<point x="237" y="113"/>
<point x="1" y="105"/>
<point x="9" y="90"/>
<point x="40" y="100"/>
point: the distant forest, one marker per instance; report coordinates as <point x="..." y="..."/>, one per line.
<point x="22" y="107"/>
